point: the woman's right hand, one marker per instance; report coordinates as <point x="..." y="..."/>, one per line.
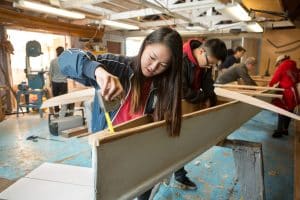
<point x="110" y="85"/>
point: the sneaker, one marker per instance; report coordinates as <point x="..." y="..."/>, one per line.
<point x="285" y="132"/>
<point x="186" y="183"/>
<point x="277" y="134"/>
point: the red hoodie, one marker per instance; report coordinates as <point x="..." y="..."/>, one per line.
<point x="197" y="70"/>
<point x="286" y="82"/>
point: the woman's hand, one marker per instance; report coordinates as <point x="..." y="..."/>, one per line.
<point x="110" y="85"/>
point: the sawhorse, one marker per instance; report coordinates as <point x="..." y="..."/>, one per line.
<point x="249" y="168"/>
<point x="248" y="159"/>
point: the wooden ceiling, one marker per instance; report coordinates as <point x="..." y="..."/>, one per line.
<point x="146" y="14"/>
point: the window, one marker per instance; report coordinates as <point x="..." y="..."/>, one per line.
<point x="49" y="42"/>
<point x="133" y="45"/>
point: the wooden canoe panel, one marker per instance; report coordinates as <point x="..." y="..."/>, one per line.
<point x="118" y="157"/>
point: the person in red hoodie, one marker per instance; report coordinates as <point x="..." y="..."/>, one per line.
<point x="285" y="76"/>
<point x="197" y="82"/>
<point x="198" y="60"/>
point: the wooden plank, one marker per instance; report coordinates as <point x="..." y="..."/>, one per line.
<point x="248" y="87"/>
<point x="261" y="94"/>
<point x="255" y="102"/>
<point x="119" y="154"/>
<point x="134" y="123"/>
<point x="256" y="93"/>
<point x="297" y="162"/>
<point x="72" y="97"/>
<point x="74" y="131"/>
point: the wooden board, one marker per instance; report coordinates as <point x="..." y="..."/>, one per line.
<point x="116" y="158"/>
<point x="74" y="131"/>
<point x="77" y="96"/>
<point x="255" y="93"/>
<point x="119" y="154"/>
<point x="255" y="102"/>
<point x="248" y="87"/>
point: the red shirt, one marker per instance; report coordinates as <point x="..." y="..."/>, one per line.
<point x="124" y="113"/>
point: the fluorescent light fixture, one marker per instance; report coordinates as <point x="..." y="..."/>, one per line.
<point x="254" y="27"/>
<point x="235" y="11"/>
<point x="119" y="24"/>
<point x="195" y="28"/>
<point x="187" y="32"/>
<point x="43" y="8"/>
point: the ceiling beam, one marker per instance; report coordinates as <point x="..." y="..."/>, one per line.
<point x="79" y="3"/>
<point x="240" y="25"/>
<point x="134" y="13"/>
<point x="95" y="10"/>
<point x="194" y="5"/>
<point x="15" y="19"/>
<point x="171" y="9"/>
<point x="202" y="20"/>
<point x="169" y="22"/>
<point x="164" y="10"/>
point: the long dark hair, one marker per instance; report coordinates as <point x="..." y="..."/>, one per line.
<point x="167" y="84"/>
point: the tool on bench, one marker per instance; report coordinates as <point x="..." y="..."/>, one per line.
<point x="108" y="106"/>
<point x="35" y="138"/>
<point x="57" y="125"/>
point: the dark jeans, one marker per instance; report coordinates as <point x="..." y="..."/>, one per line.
<point x="145" y="196"/>
<point x="283" y="122"/>
<point x="60" y="89"/>
<point x="179" y="174"/>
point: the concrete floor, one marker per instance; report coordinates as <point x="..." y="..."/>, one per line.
<point x="213" y="171"/>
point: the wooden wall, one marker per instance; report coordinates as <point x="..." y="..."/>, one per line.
<point x="252" y="46"/>
<point x="279" y="37"/>
<point x="114" y="47"/>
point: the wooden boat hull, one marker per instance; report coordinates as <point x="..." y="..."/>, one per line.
<point x="135" y="159"/>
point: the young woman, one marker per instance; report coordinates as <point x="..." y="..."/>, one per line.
<point x="150" y="83"/>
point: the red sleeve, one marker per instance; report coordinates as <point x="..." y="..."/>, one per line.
<point x="277" y="75"/>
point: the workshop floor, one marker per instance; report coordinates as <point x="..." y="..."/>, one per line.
<point x="213" y="171"/>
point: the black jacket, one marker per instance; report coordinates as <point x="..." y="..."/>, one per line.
<point x="207" y="84"/>
<point x="229" y="61"/>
